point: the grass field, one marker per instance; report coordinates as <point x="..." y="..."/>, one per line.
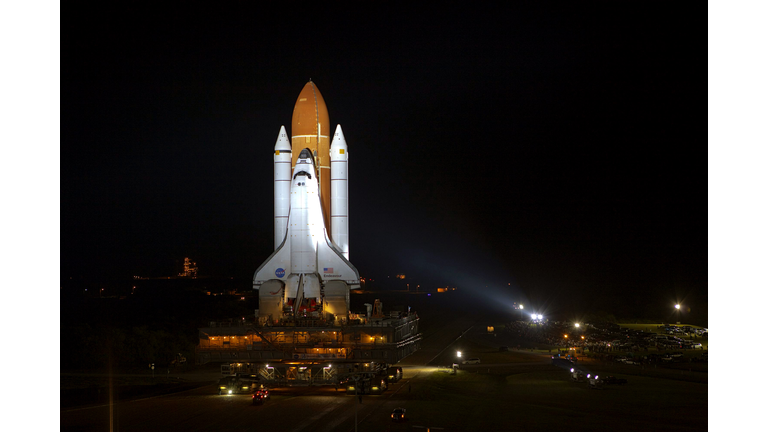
<point x="544" y="399"/>
<point x="512" y="391"/>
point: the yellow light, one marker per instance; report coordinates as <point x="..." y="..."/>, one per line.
<point x="565" y="336"/>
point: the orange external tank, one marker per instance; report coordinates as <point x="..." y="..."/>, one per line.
<point x="310" y="128"/>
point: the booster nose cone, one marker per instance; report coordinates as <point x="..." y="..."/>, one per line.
<point x="338" y="143"/>
<point x="283" y="144"/>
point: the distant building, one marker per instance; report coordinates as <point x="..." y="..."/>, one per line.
<point x="190" y="269"/>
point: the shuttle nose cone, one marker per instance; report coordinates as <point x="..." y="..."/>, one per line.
<point x="305" y="154"/>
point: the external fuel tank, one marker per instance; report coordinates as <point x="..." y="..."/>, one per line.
<point x="310" y="128"/>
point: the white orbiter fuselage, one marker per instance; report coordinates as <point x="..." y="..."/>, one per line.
<point x="307" y="274"/>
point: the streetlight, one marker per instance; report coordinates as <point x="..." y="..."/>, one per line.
<point x="677" y="306"/>
<point x="577" y="325"/>
<point x="458" y="354"/>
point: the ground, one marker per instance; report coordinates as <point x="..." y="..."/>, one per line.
<point x="512" y="390"/>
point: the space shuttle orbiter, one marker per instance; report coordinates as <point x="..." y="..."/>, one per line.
<point x="308" y="274"/>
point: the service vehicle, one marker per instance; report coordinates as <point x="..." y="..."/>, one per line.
<point x="471" y="361"/>
<point x="394" y="374"/>
<point x="233" y="385"/>
<point x="260" y="395"/>
<point x="576" y="375"/>
<point x="594" y="382"/>
<point x="398" y="414"/>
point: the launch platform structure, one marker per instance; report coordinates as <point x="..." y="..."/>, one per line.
<point x="309" y="351"/>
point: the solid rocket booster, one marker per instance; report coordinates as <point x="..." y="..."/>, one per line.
<point x="339" y="191"/>
<point x="282" y="161"/>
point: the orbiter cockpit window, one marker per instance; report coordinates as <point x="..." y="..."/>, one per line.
<point x="303" y="173"/>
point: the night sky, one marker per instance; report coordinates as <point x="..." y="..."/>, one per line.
<point x="551" y="155"/>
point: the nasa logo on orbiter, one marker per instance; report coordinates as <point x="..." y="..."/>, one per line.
<point x="280" y="272"/>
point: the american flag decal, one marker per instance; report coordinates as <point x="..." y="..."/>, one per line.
<point x="327" y="269"/>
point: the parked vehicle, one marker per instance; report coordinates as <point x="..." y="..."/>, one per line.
<point x="613" y="380"/>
